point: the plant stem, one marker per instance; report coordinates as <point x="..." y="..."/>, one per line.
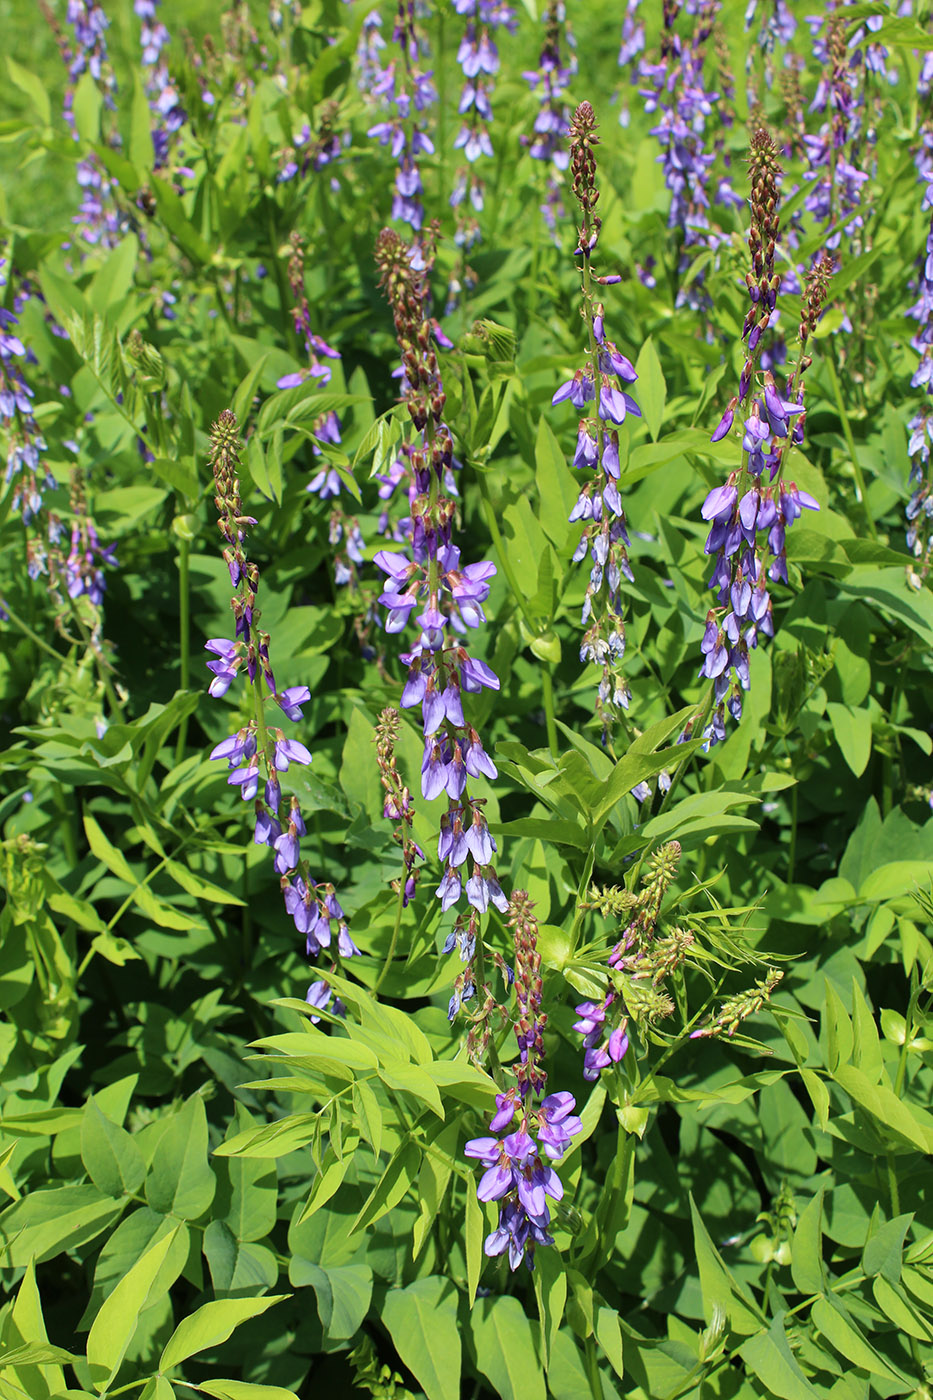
<point x="792" y="849"/>
<point x="184" y="637"/>
<point x="850" y="443"/>
<point x="393" y="943"/>
<point x="547" y="689"/>
<point x="28" y="632"/>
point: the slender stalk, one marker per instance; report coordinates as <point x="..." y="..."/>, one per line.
<point x="28" y="632"/>
<point x="393" y="942"/>
<point x="792" y="849"/>
<point x="184" y="637"/>
<point x="547" y="689"/>
<point x="850" y="443"/>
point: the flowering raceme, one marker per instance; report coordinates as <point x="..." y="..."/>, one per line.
<point x="406" y="90"/>
<point x="747" y="506"/>
<point x="919" y="508"/>
<point x="443" y="597"/>
<point x="549" y="82"/>
<point x="519" y="1169"/>
<point x="258" y="752"/>
<point x="597" y="391"/>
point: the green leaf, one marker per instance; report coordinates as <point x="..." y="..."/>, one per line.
<point x="830" y="1318"/>
<point x="896" y="1306"/>
<point x="557" y="486"/>
<point x="33" y="87"/>
<point x="893" y="1115"/>
<point x="422" y="1322"/>
<point x="651" y="390"/>
<point x="177" y="224"/>
<point x="237" y="1269"/>
<point x="114" y="1325"/>
<point x="45" y="1223"/>
<point x="474" y="1231"/>
<point x="112" y="1158"/>
<point x="772" y="1361"/>
<point x="180" y="1181"/>
<point x="247" y="1195"/>
<point x="807" y="1248"/>
<point x="719" y="1287"/>
<point x="245" y="1390"/>
<point x="852" y="729"/>
<point x="140" y="148"/>
<point x="885" y="1247"/>
<point x="87" y="107"/>
<point x="551" y="1292"/>
<point x="210" y="1325"/>
<point x="246" y="391"/>
<point x="506" y="1350"/>
<point x="609" y="1336"/>
<point x="389" y="1190"/>
<point x="343" y="1294"/>
<point x="158" y="1388"/>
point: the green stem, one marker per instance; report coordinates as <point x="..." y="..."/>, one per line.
<point x="850" y="443"/>
<point x="581" y="891"/>
<point x="495" y="1067"/>
<point x="28" y="632"/>
<point x="792" y="849"/>
<point x="547" y="688"/>
<point x="393" y="943"/>
<point x="100" y="661"/>
<point x="592" y="1370"/>
<point x="184" y="637"/>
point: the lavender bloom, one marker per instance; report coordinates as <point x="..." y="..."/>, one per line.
<point x="258" y="752"/>
<point x="518" y="1170"/>
<point x="405" y="91"/>
<point x="549" y="82"/>
<point x="675" y="90"/>
<point x="169" y="116"/>
<point x="834" y="172"/>
<point x="24" y="442"/>
<point x="749" y="514"/>
<point x="919" y="509"/>
<point x="478" y="57"/>
<point x="98" y="219"/>
<point x="597" y="390"/>
<point x="430" y="586"/>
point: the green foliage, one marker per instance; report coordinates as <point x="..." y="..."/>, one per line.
<point x="207" y="1185"/>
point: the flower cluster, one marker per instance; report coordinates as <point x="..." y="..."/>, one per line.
<point x="638" y="963"/>
<point x="478" y="57"/>
<point x="169" y="115"/>
<point x="919" y="509"/>
<point x="519" y="1171"/>
<point x="596" y="391"/>
<point x="429" y="585"/>
<point x="676" y="90"/>
<point x="406" y="90"/>
<point x="83" y="568"/>
<point x="23" y="441"/>
<point x="313" y="150"/>
<point x="98" y="219"/>
<point x="744" y="507"/>
<point x="834" y="174"/>
<point x="549" y="82"/>
<point x="257" y="752"/>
